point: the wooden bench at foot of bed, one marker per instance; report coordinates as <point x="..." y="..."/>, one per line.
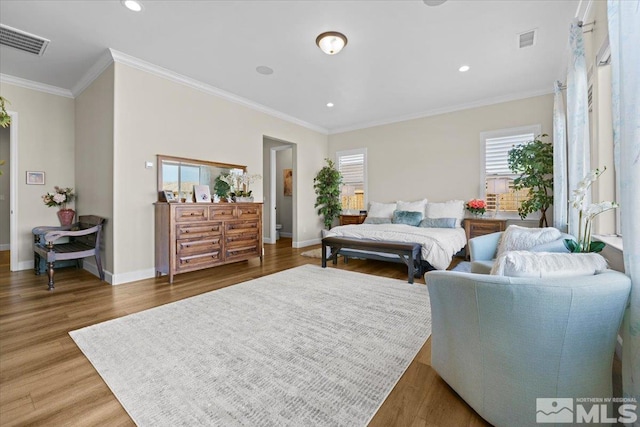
<point x="409" y="253"/>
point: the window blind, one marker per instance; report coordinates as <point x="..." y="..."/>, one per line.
<point x="497" y="153"/>
<point x="352" y="169"/>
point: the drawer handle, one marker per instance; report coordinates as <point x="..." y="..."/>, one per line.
<point x="186" y="246"/>
<point x="186" y="231"/>
<point x="186" y="261"/>
<point x="192" y="213"/>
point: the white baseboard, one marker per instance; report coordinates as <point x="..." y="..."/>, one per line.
<point x="132" y="276"/>
<point x="268" y="241"/>
<point x="305" y="243"/>
<point x="286" y="234"/>
<point x="5" y="247"/>
<point x="25" y="265"/>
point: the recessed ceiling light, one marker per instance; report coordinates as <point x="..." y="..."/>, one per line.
<point x="133" y="5"/>
<point x="329" y="104"/>
<point x="433" y="2"/>
<point x="331" y="42"/>
<point x="464" y="68"/>
<point x="263" y="69"/>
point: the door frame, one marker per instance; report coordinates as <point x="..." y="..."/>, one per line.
<point x="13" y="188"/>
<point x="272" y="189"/>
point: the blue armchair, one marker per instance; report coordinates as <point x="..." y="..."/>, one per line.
<point x="482" y="250"/>
<point x="502" y="342"/>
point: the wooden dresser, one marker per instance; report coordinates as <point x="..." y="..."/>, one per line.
<point x="193" y="236"/>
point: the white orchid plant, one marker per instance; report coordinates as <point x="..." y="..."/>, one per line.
<point x="238" y="181"/>
<point x="586" y="214"/>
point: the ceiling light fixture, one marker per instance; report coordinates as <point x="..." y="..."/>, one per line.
<point x="263" y="69"/>
<point x="329" y="104"/>
<point x="331" y="42"/>
<point x="133" y="5"/>
<point x="433" y="2"/>
<point x="464" y="68"/>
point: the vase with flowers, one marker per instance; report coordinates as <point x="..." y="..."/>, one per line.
<point x="476" y="206"/>
<point x="59" y="199"/>
<point x="586" y="214"/>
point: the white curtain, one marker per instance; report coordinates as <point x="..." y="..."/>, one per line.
<point x="624" y="39"/>
<point x="578" y="157"/>
<point x="559" y="161"/>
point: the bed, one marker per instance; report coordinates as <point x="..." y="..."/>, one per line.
<point x="392" y="229"/>
<point x="439" y="245"/>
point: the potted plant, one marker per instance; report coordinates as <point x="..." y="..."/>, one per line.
<point x="221" y="188"/>
<point x="59" y="199"/>
<point x="5" y="120"/>
<point x="534" y="162"/>
<point x="327" y="186"/>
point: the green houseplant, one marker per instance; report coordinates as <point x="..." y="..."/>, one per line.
<point x="327" y="186"/>
<point x="5" y="120"/>
<point x="534" y="162"/>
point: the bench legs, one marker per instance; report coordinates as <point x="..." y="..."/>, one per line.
<point x="50" y="272"/>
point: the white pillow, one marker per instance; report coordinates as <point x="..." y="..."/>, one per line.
<point x="517" y="238"/>
<point x="449" y="209"/>
<point x="548" y="264"/>
<point x="381" y="210"/>
<point x="417" y="206"/>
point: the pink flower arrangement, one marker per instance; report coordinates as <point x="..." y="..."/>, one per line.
<point x="60" y="198"/>
<point x="476" y="206"/>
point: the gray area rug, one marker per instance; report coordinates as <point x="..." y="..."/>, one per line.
<point x="313" y="253"/>
<point x="302" y="347"/>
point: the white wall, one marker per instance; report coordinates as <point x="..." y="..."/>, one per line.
<point x="156" y="116"/>
<point x="4" y="189"/>
<point x="46" y="143"/>
<point x="94" y="159"/>
<point x="437" y="157"/>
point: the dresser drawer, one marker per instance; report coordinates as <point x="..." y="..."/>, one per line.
<point x="191" y="213"/>
<point x="184" y="231"/>
<point x="226" y="211"/>
<point x="241" y="239"/>
<point x="233" y="227"/>
<point x="198" y="261"/>
<point x="198" y="246"/>
<point x="248" y="212"/>
<point x="479" y="228"/>
<point x="242" y="252"/>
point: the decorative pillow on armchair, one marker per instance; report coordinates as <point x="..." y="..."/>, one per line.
<point x="548" y="264"/>
<point x="516" y="238"/>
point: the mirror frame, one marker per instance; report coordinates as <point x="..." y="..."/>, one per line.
<point x="161" y="157"/>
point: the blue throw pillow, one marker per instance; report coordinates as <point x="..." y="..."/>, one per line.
<point x="407" y="217"/>
<point x="438" y="223"/>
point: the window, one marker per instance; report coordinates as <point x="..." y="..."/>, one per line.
<point x="496" y="177"/>
<point x="352" y="164"/>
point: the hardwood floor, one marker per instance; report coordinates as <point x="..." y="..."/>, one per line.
<point x="46" y="380"/>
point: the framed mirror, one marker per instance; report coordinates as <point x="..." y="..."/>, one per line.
<point x="178" y="175"/>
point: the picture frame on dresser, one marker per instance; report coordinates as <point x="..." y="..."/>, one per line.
<point x="169" y="196"/>
<point x="202" y="194"/>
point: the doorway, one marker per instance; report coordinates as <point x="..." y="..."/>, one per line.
<point x="279" y="190"/>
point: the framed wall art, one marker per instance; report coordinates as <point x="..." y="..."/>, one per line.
<point x="288" y="182"/>
<point x="35" y="178"/>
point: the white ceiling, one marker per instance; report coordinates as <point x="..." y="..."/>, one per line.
<point x="401" y="60"/>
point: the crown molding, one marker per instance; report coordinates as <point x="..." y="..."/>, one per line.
<point x="443" y="110"/>
<point x="93" y="73"/>
<point x="40" y="87"/>
<point x="148" y="67"/>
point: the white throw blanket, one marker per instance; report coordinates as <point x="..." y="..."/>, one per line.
<point x="438" y="244"/>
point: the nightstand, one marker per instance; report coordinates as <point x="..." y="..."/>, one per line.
<point x="352" y="219"/>
<point x="475" y="227"/>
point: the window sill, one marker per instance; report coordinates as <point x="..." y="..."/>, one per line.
<point x="613" y="241"/>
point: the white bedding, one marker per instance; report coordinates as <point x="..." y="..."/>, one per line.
<point x="438" y="244"/>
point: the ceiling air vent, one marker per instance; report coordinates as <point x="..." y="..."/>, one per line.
<point x="526" y="39"/>
<point x="22" y="40"/>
